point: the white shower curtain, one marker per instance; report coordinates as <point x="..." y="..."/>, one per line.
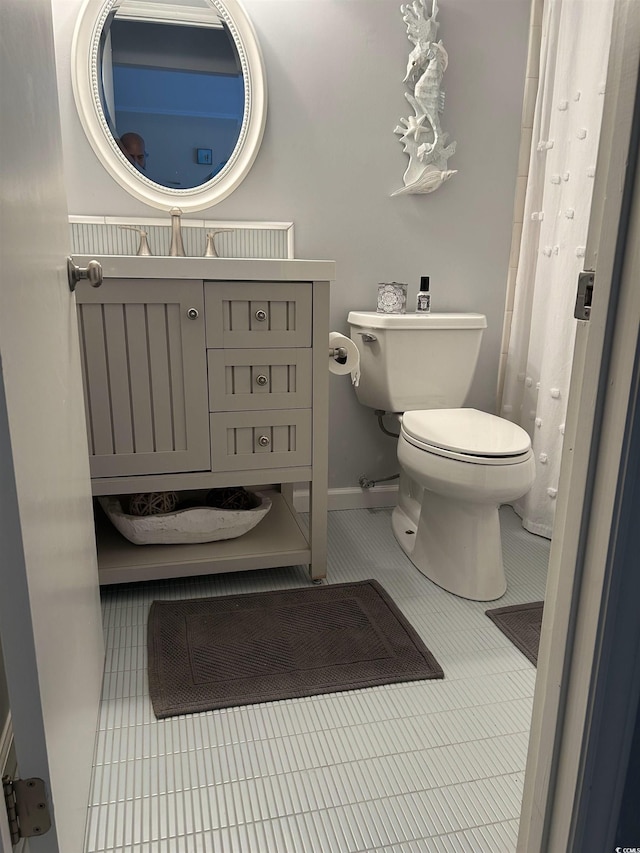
<point x="566" y="128"/>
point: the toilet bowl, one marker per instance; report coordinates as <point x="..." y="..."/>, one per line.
<point x="457" y="464"/>
<point x="458" y="467"/>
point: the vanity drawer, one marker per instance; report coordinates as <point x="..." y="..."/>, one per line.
<point x="259" y="379"/>
<point x="249" y="314"/>
<point x="241" y="441"/>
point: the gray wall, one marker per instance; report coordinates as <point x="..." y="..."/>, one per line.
<point x="330" y="160"/>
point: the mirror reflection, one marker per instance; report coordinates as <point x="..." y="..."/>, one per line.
<point x="172" y="89"/>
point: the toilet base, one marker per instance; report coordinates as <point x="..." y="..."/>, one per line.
<point x="455" y="544"/>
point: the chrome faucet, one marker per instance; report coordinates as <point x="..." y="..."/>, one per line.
<point x="177" y="246"/>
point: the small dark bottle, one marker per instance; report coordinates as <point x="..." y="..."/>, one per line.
<point x="423" y="305"/>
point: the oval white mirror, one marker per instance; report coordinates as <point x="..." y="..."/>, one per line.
<point x="171" y="95"/>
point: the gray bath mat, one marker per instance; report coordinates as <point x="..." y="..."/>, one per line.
<point x="207" y="653"/>
<point x="521" y="623"/>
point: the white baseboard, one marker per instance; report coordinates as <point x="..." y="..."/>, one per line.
<point x="350" y="498"/>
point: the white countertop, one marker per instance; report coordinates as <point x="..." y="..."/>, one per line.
<point x="211" y="269"/>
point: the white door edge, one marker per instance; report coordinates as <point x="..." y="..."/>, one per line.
<point x="593" y="448"/>
<point x="50" y="616"/>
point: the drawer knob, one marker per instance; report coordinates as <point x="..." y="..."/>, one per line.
<point x="264" y="441"/>
<point x="261" y="379"/>
<point x="261" y="315"/>
<point x="193" y="313"/>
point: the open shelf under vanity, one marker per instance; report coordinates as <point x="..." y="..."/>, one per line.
<point x="278" y="540"/>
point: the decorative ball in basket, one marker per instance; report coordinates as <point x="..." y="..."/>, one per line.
<point x="161" y="518"/>
<point x="153" y="503"/>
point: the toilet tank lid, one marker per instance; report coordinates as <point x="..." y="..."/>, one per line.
<point x="467" y="431"/>
<point x="435" y="320"/>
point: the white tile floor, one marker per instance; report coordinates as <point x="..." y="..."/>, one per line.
<point x="410" y="768"/>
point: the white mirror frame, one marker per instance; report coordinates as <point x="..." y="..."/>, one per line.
<point x="86" y="90"/>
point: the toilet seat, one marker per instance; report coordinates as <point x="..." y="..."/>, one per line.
<point x="467" y="435"/>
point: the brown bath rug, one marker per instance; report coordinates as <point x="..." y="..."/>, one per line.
<point x="207" y="653"/>
<point x="521" y="623"/>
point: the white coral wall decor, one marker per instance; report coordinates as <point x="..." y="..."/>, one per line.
<point x="424" y="140"/>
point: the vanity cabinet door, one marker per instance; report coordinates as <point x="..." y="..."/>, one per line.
<point x="145" y="376"/>
<point x="254" y="314"/>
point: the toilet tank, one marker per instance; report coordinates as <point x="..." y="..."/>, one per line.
<point x="415" y="361"/>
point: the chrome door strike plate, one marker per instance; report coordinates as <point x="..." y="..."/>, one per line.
<point x="27" y="807"/>
<point x="584" y="296"/>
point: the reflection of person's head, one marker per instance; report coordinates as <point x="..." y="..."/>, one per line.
<point x="132" y="145"/>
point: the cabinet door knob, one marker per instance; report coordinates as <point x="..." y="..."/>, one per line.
<point x="264" y="441"/>
<point x="92" y="272"/>
<point x="261" y="379"/>
<point x="261" y="315"/>
<point x="193" y="313"/>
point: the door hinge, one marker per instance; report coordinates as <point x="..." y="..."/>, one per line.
<point x="584" y="296"/>
<point x="27" y="807"/>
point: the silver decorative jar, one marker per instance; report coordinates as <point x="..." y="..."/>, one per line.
<point x="392" y="297"/>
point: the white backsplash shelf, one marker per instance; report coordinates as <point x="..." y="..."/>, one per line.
<point x="103" y="235"/>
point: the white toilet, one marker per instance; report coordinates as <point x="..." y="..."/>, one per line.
<point x="457" y="465"/>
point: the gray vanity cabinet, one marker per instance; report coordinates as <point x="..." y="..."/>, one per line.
<point x="196" y="381"/>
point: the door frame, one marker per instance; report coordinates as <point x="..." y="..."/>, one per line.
<point x="587" y="572"/>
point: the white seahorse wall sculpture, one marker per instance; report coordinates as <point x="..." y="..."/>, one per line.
<point x="424" y="140"/>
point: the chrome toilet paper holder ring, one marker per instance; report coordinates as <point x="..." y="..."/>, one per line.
<point x="337" y="352"/>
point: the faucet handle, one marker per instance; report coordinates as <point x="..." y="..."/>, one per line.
<point x="143" y="246"/>
<point x="210" y="251"/>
